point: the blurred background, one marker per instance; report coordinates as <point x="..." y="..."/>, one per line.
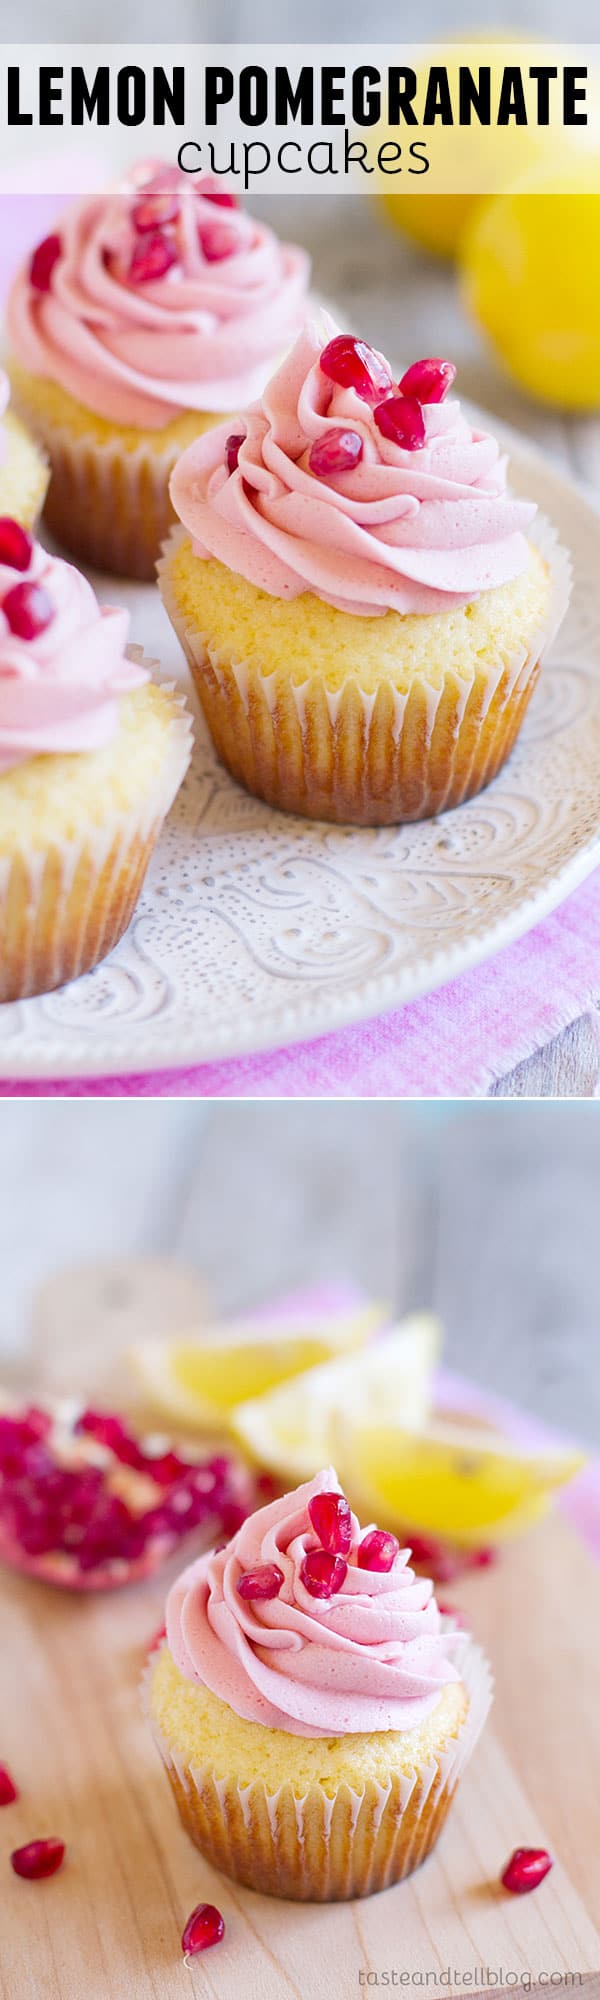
<point x="263" y="20"/>
<point x="486" y="1213"/>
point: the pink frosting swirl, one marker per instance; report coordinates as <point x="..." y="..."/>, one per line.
<point x="59" y="691"/>
<point x="4" y="397"/>
<point x="203" y="337"/>
<point x="373" y="1657"/>
<point x="410" y="531"/>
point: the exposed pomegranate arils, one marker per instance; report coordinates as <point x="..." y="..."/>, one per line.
<point x="156" y="211"/>
<point x="216" y="241"/>
<point x="151" y="259"/>
<point x="401" y="420"/>
<point x="378" y="1550"/>
<point x="527" y="1867"/>
<point x="233" y="445"/>
<point x="337" y="451"/>
<point x="322" y="1573"/>
<point x="38" y="1859"/>
<point x="331" y="1519"/>
<point x="109" y="1430"/>
<point x="264" y="1581"/>
<point x="205" y="1927"/>
<point x="28" y="609"/>
<point x="221" y="196"/>
<point x="352" y="364"/>
<point x="428" y="380"/>
<point x="8" y="1789"/>
<point x="43" y="261"/>
<point x="16" y="546"/>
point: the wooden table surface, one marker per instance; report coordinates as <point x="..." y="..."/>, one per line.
<point x="109" y="1924"/>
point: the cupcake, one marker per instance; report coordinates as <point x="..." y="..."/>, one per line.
<point x="363" y="604"/>
<point x="23" y="470"/>
<point x="313" y="1709"/>
<point x="148" y="313"/>
<point x="92" y="753"/>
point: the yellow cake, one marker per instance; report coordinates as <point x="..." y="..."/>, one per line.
<point x="23" y="473"/>
<point x="148" y="312"/>
<point x="92" y="753"/>
<point x="311" y="1812"/>
<point x="364" y="619"/>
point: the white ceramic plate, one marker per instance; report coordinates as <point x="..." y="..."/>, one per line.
<point x="255" y="929"/>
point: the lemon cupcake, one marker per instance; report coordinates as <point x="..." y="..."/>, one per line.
<point x="91" y="756"/>
<point x="23" y="470"/>
<point x="363" y="604"/>
<point x="148" y="313"/>
<point x="313" y="1710"/>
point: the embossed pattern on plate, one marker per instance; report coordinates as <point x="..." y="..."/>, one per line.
<point x="255" y="929"/>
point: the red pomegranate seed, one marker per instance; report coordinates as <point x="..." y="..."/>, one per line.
<point x="337" y="451"/>
<point x="482" y="1558"/>
<point x="331" y="1519"/>
<point x="38" y="1859"/>
<point x="401" y="419"/>
<point x="220" y="196"/>
<point x="378" y="1550"/>
<point x="156" y="211"/>
<point x="322" y="1573"/>
<point x="203" y="1928"/>
<point x="43" y="262"/>
<point x="354" y="365"/>
<point x="428" y="380"/>
<point x="527" y="1867"/>
<point x="233" y="445"/>
<point x="216" y="241"/>
<point x="28" y="609"/>
<point x="151" y="259"/>
<point x="8" y="1789"/>
<point x="16" y="546"/>
<point x="264" y="1581"/>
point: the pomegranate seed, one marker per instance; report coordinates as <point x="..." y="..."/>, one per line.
<point x="322" y="1573"/>
<point x="264" y="1581"/>
<point x="27" y="609"/>
<point x="43" y="262"/>
<point x="378" y="1550"/>
<point x="428" y="380"/>
<point x="221" y="196"/>
<point x="151" y="260"/>
<point x="482" y="1558"/>
<point x="8" y="1790"/>
<point x="527" y="1867"/>
<point x="401" y="419"/>
<point x="203" y="1928"/>
<point x="16" y="546"/>
<point x="331" y="1519"/>
<point x="216" y="241"/>
<point x="155" y="212"/>
<point x="338" y="451"/>
<point x="233" y="446"/>
<point x="38" y="1859"/>
<point x="354" y="365"/>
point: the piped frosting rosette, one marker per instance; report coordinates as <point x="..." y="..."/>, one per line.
<point x="157" y="300"/>
<point x="314" y="1712"/>
<point x="64" y="667"/>
<point x="373" y="1656"/>
<point x="23" y="468"/>
<point x="371" y="526"/>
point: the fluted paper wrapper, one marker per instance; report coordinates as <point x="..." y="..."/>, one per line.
<point x="108" y="507"/>
<point x="368" y="759"/>
<point x="62" y="909"/>
<point x="317" y="1848"/>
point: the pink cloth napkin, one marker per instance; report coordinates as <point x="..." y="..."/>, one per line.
<point x="453" y="1043"/>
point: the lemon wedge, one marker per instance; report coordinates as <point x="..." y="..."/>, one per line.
<point x="461" y="1480"/>
<point x="198" y="1380"/>
<point x="292" y="1430"/>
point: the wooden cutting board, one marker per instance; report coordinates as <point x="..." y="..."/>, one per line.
<point x="108" y="1926"/>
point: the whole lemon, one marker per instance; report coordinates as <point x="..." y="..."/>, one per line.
<point x="531" y="278"/>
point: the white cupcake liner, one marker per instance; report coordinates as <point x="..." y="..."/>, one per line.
<point x="53" y="925"/>
<point x="350" y="758"/>
<point x="353" y="1843"/>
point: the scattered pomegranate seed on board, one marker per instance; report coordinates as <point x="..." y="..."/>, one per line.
<point x="526" y="1869"/>
<point x="205" y="1927"/>
<point x="38" y="1859"/>
<point x="8" y="1789"/>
